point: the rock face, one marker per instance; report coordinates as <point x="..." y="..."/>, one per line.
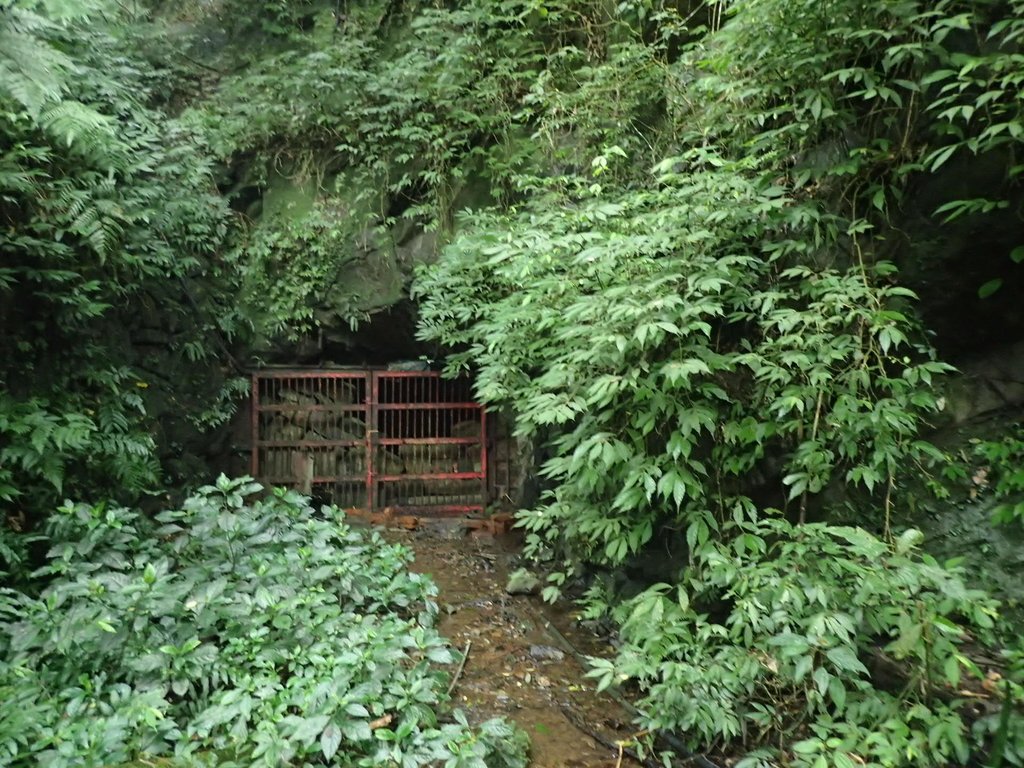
<point x="989" y="381"/>
<point x="364" y="313"/>
<point x="947" y="266"/>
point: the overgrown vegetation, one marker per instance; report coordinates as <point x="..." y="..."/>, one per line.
<point x="679" y="241"/>
<point x="108" y="228"/>
<point x="711" y="338"/>
<point x="232" y="631"/>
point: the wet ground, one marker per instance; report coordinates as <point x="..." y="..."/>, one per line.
<point x="517" y="666"/>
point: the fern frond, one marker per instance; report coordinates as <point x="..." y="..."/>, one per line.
<point x="72" y="121"/>
<point x="15" y="178"/>
<point x="66" y="11"/>
<point x="32" y="72"/>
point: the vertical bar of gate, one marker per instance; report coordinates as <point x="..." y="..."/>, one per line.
<point x="255" y="436"/>
<point x="483" y="458"/>
<point x="317" y="419"/>
<point x="507" y="436"/>
<point x="371" y="440"/>
<point x="398" y="392"/>
<point x="405" y="429"/>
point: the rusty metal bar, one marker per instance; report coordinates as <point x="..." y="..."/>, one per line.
<point x="483" y="455"/>
<point x="428" y="440"/>
<point x="254" y="398"/>
<point x="408" y="374"/>
<point x="302" y="373"/>
<point x="310" y="443"/>
<point x="310" y="408"/>
<point x="372" y="427"/>
<point x="429" y="476"/>
<point x="425" y="406"/>
<point x="316" y="479"/>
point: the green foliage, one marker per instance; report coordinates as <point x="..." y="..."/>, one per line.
<point x="851" y="645"/>
<point x="229" y="632"/>
<point x="106" y="217"/>
<point x="1002" y="473"/>
<point x="400" y="112"/>
<point x="33" y="69"/>
<point x="705" y="326"/>
<point x="405" y="108"/>
<point x="976" y="99"/>
<point x="291" y="269"/>
<point x="1004" y="728"/>
<point x="685" y="292"/>
<point x="391" y="118"/>
<point x="677" y="359"/>
<point x="83" y="442"/>
<point x="224" y="406"/>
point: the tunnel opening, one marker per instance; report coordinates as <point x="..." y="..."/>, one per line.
<point x="372" y="439"/>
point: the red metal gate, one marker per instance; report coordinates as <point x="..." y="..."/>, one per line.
<point x="409" y="441"/>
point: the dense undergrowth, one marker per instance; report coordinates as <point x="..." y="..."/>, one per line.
<point x="109" y="228"/>
<point x="709" y="335"/>
<point x="678" y="241"/>
<point x="236" y="630"/>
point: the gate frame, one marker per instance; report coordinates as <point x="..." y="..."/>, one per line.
<point x="372" y="408"/>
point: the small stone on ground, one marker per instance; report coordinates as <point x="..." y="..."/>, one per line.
<point x="546" y="653"/>
<point x="522" y="582"/>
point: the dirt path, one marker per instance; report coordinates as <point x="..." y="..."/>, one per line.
<point x="515" y="666"/>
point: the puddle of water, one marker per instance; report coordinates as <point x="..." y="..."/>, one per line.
<point x="515" y="666"/>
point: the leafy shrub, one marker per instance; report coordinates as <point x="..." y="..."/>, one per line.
<point x="1004" y="727"/>
<point x="680" y="363"/>
<point x="851" y="646"/>
<point x="292" y="266"/>
<point x="229" y="633"/>
<point x="707" y="327"/>
<point x="108" y="218"/>
<point x="1002" y="473"/>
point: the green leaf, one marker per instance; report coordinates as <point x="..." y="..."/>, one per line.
<point x="845" y="660"/>
<point x="837" y="692"/>
<point x="878" y="199"/>
<point x="357" y="730"/>
<point x="987" y="289"/>
<point x="807" y="746"/>
<point x="908" y="540"/>
<point x="330" y="740"/>
<point x="309" y="728"/>
<point x="939" y="158"/>
<point x="951" y="669"/>
<point x="357" y="710"/>
<point x="440" y="655"/>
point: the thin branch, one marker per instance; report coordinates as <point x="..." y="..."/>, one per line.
<point x="814" y="436"/>
<point x="462" y="666"/>
<point x="198" y="63"/>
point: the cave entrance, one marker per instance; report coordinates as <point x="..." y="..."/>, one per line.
<point x="372" y="439"/>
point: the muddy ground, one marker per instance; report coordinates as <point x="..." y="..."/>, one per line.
<point x="516" y="666"/>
